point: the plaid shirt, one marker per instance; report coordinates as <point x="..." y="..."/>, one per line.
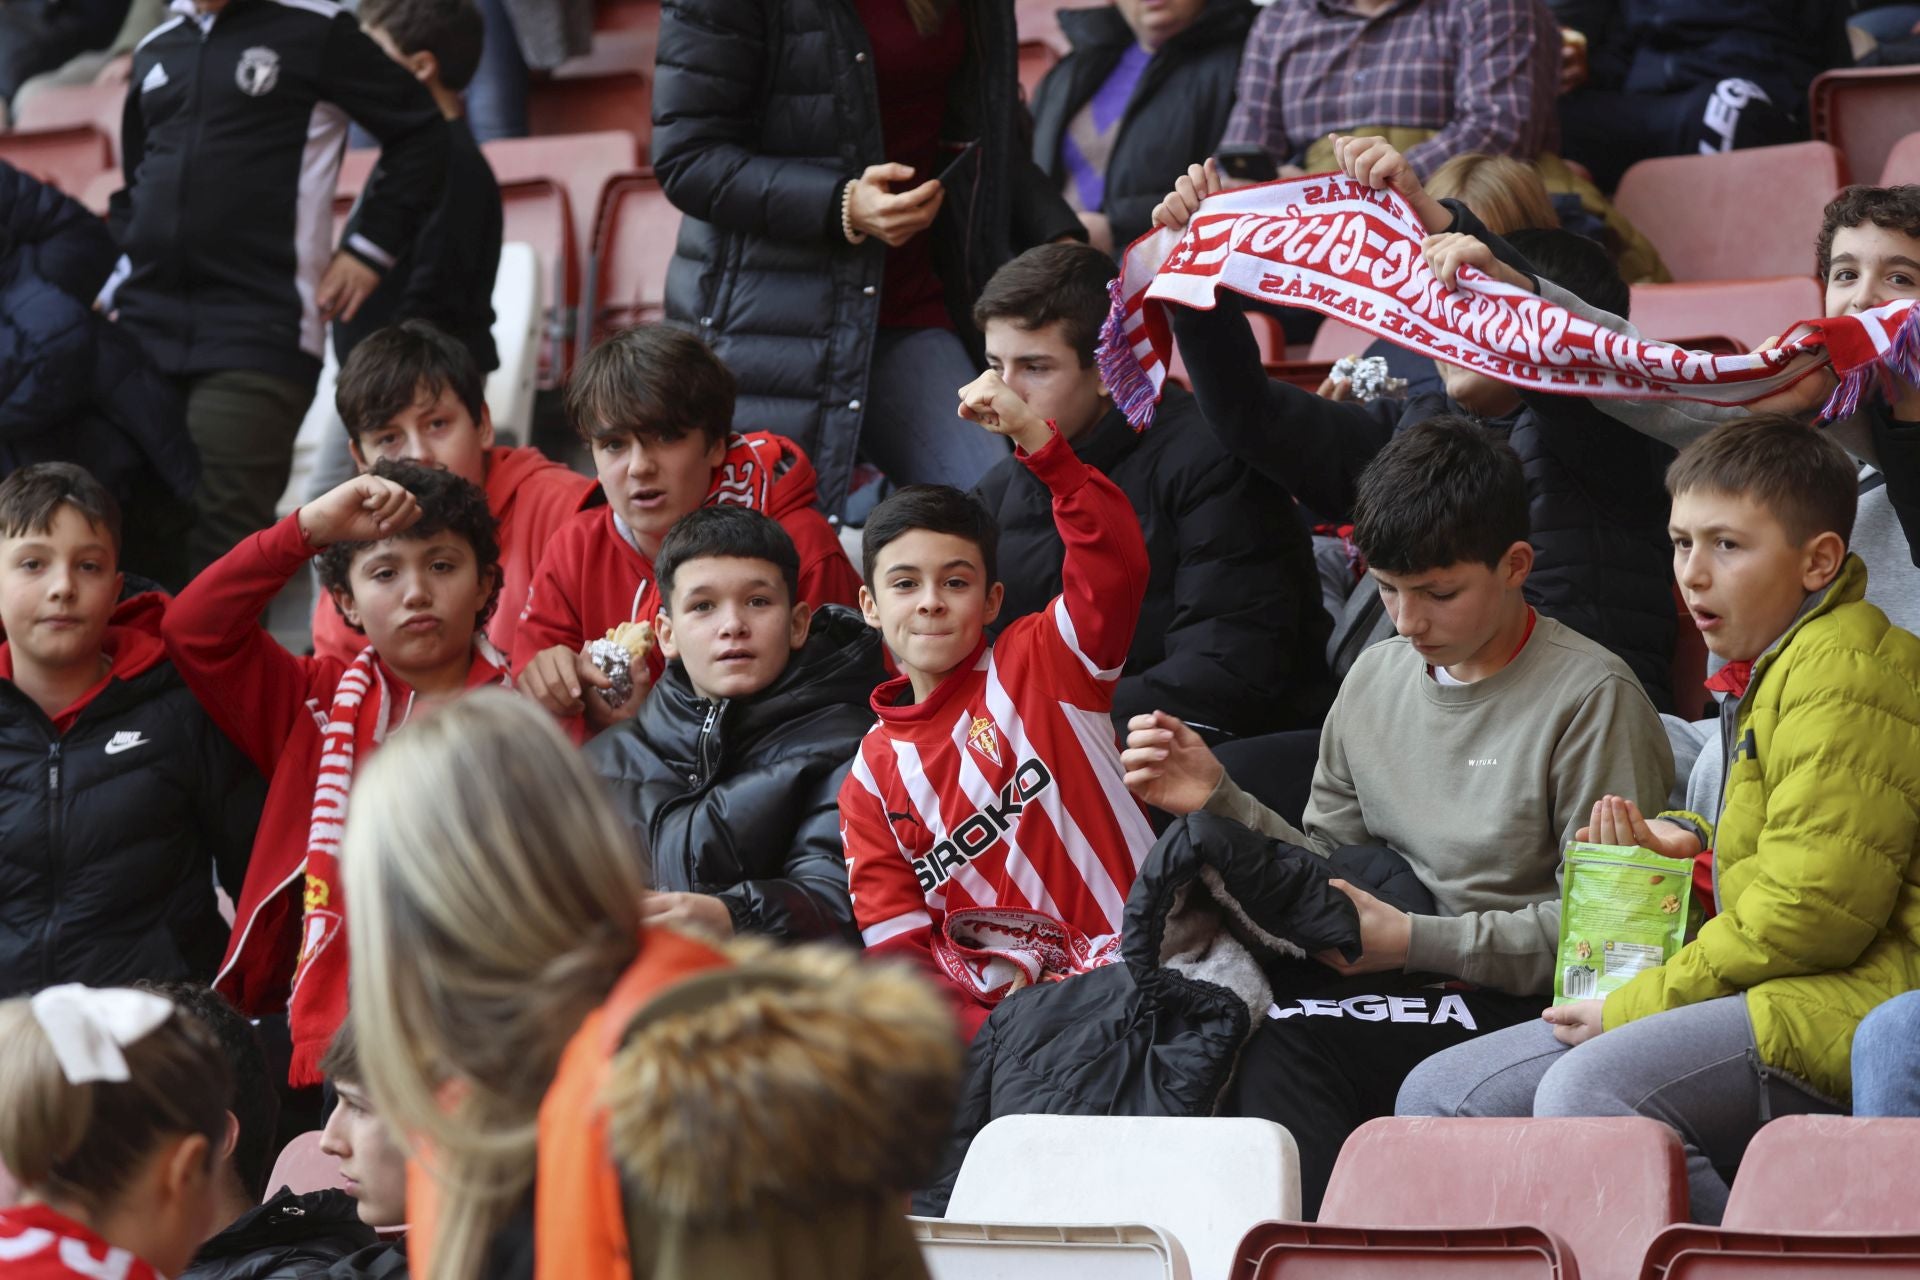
<point x="1485" y="73"/>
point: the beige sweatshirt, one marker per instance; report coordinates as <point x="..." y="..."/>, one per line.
<point x="1480" y="787"/>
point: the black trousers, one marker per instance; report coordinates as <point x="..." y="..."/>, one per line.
<point x="1607" y="130"/>
<point x="1335" y="1056"/>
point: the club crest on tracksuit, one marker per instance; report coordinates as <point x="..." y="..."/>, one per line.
<point x="258" y="71"/>
<point x="984" y="738"/>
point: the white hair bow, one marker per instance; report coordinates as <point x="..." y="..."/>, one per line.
<point x="88" y="1027"/>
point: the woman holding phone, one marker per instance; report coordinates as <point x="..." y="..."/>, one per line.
<point x="852" y="172"/>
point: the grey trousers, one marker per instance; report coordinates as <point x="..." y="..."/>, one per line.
<point x="1694" y="1069"/>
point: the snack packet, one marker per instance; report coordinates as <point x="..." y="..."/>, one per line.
<point x="1367" y="377"/>
<point x="1622" y="909"/>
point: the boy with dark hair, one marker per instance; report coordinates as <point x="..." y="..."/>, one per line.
<point x="408" y="555"/>
<point x="1815" y="881"/>
<point x="445" y="275"/>
<point x="1593" y="490"/>
<point x="992" y="779"/>
<point x="119" y="798"/>
<point x="235" y="118"/>
<point x="1475" y="743"/>
<point x="412" y="393"/>
<point x="730" y="774"/>
<point x="1232" y="635"/>
<point x="373" y="1162"/>
<point x="291" y="1234"/>
<point x="655" y="406"/>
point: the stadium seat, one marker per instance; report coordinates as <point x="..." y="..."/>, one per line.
<point x="633" y="242"/>
<point x="517" y="318"/>
<point x="536" y="213"/>
<point x="1040" y="20"/>
<point x="99" y="192"/>
<point x="356" y="166"/>
<point x="1037" y="57"/>
<point x="304" y="1167"/>
<point x="1736" y="215"/>
<point x="1816" y="1197"/>
<point x="1414" y="1197"/>
<point x="67" y="106"/>
<point x="1903" y="162"/>
<point x="1025" y="1251"/>
<point x="1202" y="1180"/>
<point x="69" y="159"/>
<point x="1748" y="311"/>
<point x="1864" y="111"/>
<point x="1335" y="341"/>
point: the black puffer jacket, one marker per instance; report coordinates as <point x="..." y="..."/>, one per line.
<point x="290" y="1237"/>
<point x="1232" y="634"/>
<point x="763" y="110"/>
<point x="110" y="833"/>
<point x="74" y="387"/>
<point x="739" y="799"/>
<point x="1176" y="115"/>
<point x="1215" y="928"/>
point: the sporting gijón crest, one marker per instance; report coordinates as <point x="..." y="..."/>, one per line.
<point x="984" y="738"/>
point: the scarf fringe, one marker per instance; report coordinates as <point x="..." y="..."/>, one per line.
<point x="1901" y="361"/>
<point x="1131" y="387"/>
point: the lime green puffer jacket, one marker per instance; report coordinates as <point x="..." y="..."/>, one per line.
<point x="1814" y="851"/>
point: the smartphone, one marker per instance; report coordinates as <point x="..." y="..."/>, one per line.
<point x="945" y="176"/>
<point x="1246" y="162"/>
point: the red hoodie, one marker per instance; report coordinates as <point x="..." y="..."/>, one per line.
<point x="38" y="1244"/>
<point x="131" y="642"/>
<point x="592" y="579"/>
<point x="530" y="496"/>
<point x="274" y="706"/>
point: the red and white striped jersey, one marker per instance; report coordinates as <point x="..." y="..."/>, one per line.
<point x="1004" y="787"/>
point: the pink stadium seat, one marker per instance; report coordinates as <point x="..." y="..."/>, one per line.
<point x="356" y="166"/>
<point x="1733" y="216"/>
<point x="1335" y="341"/>
<point x="632" y="244"/>
<point x="1748" y="311"/>
<point x="536" y="211"/>
<point x="69" y="158"/>
<point x="580" y="163"/>
<point x="304" y="1167"/>
<point x="1903" y="162"/>
<point x="1039" y="20"/>
<point x="1037" y="57"/>
<point x="1444" y="1197"/>
<point x="1816" y="1197"/>
<point x="68" y="105"/>
<point x="1864" y="111"/>
<point x="99" y="192"/>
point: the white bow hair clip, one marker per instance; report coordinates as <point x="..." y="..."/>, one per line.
<point x="89" y="1026"/>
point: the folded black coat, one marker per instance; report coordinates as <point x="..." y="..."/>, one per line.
<point x="1217" y="916"/>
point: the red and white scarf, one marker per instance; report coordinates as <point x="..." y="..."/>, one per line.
<point x="362" y="714"/>
<point x="992" y="952"/>
<point x="1333" y="245"/>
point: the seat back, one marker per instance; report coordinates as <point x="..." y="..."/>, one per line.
<point x="67" y="106"/>
<point x="1903" y="162"/>
<point x="1303" y="1251"/>
<point x="1204" y="1181"/>
<point x="518" y="316"/>
<point x="1864" y="111"/>
<point x="579" y="164"/>
<point x="956" y="1250"/>
<point x="1550" y="1173"/>
<point x="1702" y="214"/>
<point x="633" y="243"/>
<point x="1828" y="1173"/>
<point x="1749" y="311"/>
<point x="1037" y="57"/>
<point x="99" y="193"/>
<point x="304" y="1167"/>
<point x="537" y="213"/>
<point x="70" y="158"/>
<point x="1335" y="341"/>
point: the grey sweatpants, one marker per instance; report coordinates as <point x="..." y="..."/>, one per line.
<point x="1695" y="1069"/>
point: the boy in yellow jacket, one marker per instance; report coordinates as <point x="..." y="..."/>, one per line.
<point x="1817" y="888"/>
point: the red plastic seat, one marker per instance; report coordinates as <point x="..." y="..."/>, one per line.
<point x="1864" y="111"/>
<point x="69" y="159"/>
<point x="67" y="106"/>
<point x="1037" y="57"/>
<point x="1735" y="215"/>
<point x="581" y="163"/>
<point x="1748" y="311"/>
<point x="1903" y="162"/>
<point x="1447" y="1197"/>
<point x="1335" y="341"/>
<point x="303" y="1166"/>
<point x="633" y="242"/>
<point x="536" y="212"/>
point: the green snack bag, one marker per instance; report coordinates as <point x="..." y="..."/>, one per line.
<point x="1622" y="909"/>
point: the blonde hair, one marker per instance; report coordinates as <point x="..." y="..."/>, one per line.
<point x="84" y="1142"/>
<point x="496" y="899"/>
<point x="1505" y="193"/>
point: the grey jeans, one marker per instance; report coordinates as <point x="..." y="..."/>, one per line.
<point x="912" y="429"/>
<point x="1695" y="1069"/>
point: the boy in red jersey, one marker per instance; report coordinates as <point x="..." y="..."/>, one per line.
<point x="988" y="830"/>
<point x="654" y="403"/>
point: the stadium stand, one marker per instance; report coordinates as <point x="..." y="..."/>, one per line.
<point x="1700" y="213"/>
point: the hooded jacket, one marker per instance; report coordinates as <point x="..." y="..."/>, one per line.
<point x="1217" y="918"/>
<point x="763" y="111"/>
<point x="740" y="798"/>
<point x="1814" y="869"/>
<point x="74" y="387"/>
<point x="1175" y="117"/>
<point x="290" y="1237"/>
<point x="113" y="821"/>
<point x="1232" y="633"/>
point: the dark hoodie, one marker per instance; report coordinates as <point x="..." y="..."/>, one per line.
<point x="739" y="798"/>
<point x="1175" y="117"/>
<point x="114" y="816"/>
<point x="287" y="1238"/>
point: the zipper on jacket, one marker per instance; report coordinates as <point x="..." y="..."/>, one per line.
<point x="706" y="767"/>
<point x="55" y="871"/>
<point x="186" y="168"/>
